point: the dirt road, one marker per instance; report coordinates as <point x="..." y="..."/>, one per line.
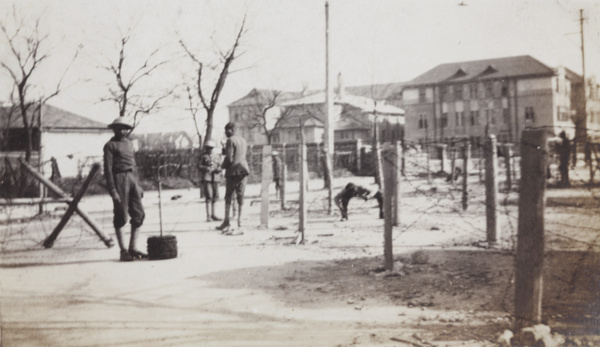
<point x="257" y="289"/>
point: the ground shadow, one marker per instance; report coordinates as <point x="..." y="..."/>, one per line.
<point x="466" y="281"/>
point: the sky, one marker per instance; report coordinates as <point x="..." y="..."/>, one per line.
<point x="284" y="46"/>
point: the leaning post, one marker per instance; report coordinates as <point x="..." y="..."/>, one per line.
<point x="529" y="260"/>
<point x="491" y="191"/>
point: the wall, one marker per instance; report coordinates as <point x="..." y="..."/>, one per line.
<point x="74" y="152"/>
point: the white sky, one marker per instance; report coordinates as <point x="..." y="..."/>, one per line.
<point x="371" y="41"/>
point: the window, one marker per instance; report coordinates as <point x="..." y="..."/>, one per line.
<point x="422" y="94"/>
<point x="462" y="118"/>
<point x="458" y="92"/>
<point x="275" y="138"/>
<point x="444" y="120"/>
<point x="473" y="91"/>
<point x="444" y="92"/>
<point x="422" y="121"/>
<point x="492" y="116"/>
<point x="474" y="118"/>
<point x="489" y="89"/>
<point x="505" y="116"/>
<point x="504" y="89"/>
<point x="457" y="119"/>
<point x="298" y="136"/>
<point x="529" y="114"/>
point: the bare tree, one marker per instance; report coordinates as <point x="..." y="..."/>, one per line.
<point x="261" y="116"/>
<point x="29" y="50"/>
<point x="208" y="98"/>
<point x="129" y="80"/>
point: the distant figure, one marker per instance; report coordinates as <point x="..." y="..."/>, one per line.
<point x="277" y="167"/>
<point x="124" y="187"/>
<point x="236" y="170"/>
<point x="564" y="152"/>
<point x="353" y="191"/>
<point x="210" y="176"/>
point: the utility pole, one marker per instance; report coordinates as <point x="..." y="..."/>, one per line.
<point x="328" y="147"/>
<point x="584" y="116"/>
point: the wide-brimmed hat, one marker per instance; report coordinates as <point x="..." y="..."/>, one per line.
<point x="274" y="153"/>
<point x="120" y="121"/>
<point x="210" y="143"/>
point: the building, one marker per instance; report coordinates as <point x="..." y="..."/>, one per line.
<point x="503" y="96"/>
<point x="75" y="142"/>
<point x="256" y="109"/>
<point x="354" y="116"/>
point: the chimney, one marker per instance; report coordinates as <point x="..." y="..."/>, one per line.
<point x="340" y="87"/>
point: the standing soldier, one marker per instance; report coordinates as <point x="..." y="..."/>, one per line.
<point x="564" y="156"/>
<point x="236" y="170"/>
<point x="277" y="165"/>
<point x="124" y="188"/>
<point x="210" y="176"/>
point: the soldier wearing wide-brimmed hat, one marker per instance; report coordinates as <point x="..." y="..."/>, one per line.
<point x="210" y="176"/>
<point x="124" y="187"/>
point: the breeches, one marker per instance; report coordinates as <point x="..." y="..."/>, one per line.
<point x="235" y="184"/>
<point x="130" y="192"/>
<point x="210" y="191"/>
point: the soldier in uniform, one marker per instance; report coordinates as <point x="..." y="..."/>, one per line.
<point x="210" y="176"/>
<point x="123" y="186"/>
<point x="236" y="170"/>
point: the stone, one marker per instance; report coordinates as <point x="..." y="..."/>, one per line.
<point x="419" y="257"/>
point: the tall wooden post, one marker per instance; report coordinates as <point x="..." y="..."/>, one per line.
<point x="329" y="122"/>
<point x="41" y="158"/>
<point x="491" y="191"/>
<point x="480" y="163"/>
<point x="283" y="176"/>
<point x="466" y="160"/>
<point x="452" y="163"/>
<point x="397" y="179"/>
<point x="388" y="196"/>
<point x="266" y="179"/>
<point x="303" y="178"/>
<point x="529" y="261"/>
<point x="508" y="163"/>
<point x="358" y="150"/>
<point x="442" y="149"/>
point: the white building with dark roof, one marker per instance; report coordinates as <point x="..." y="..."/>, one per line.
<point x="75" y="142"/>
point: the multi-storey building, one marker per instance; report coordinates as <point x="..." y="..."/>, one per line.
<point x="283" y="112"/>
<point x="501" y="96"/>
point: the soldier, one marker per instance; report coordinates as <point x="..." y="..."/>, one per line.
<point x="277" y="167"/>
<point x="210" y="176"/>
<point x="236" y="170"/>
<point x="564" y="150"/>
<point x="124" y="187"/>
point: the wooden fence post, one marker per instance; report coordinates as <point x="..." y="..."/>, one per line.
<point x="283" y="176"/>
<point x="466" y="160"/>
<point x="397" y="179"/>
<point x="529" y="260"/>
<point x="303" y="177"/>
<point x="389" y="171"/>
<point x="452" y="163"/>
<point x="266" y="178"/>
<point x="443" y="149"/>
<point x="508" y="163"/>
<point x="491" y="191"/>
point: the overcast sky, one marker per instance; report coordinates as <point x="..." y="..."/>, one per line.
<point x="371" y="41"/>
